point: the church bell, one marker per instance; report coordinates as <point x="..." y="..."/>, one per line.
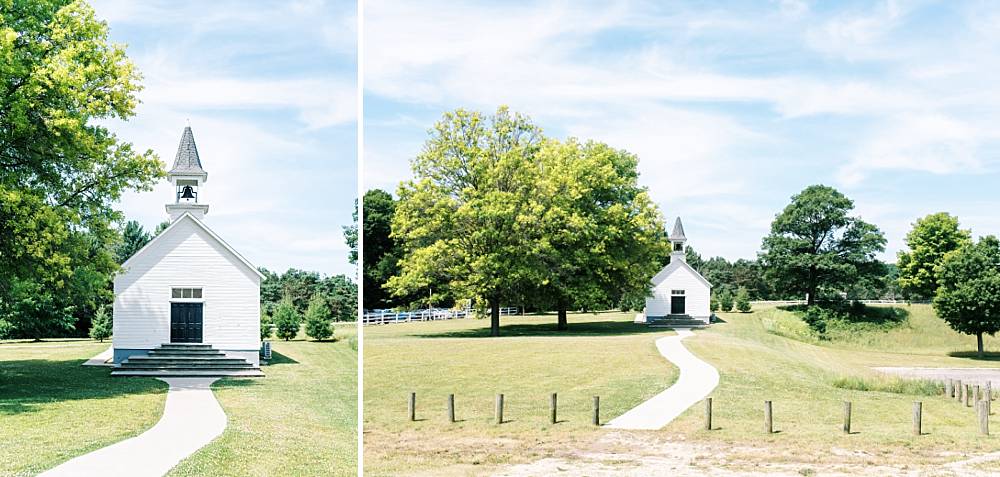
<point x="187" y="192"/>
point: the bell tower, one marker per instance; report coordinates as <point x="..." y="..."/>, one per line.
<point x="677" y="240"/>
<point x="187" y="176"/>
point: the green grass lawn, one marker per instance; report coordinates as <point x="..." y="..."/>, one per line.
<point x="53" y="409"/>
<point x="604" y="355"/>
<point x="299" y="420"/>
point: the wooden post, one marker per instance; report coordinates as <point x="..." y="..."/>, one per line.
<point x="708" y="414"/>
<point x="917" y="411"/>
<point x="958" y="390"/>
<point x="768" y="422"/>
<point x="949" y="388"/>
<point x="984" y="418"/>
<point x="552" y="408"/>
<point x="412" y="407"/>
<point x="989" y="397"/>
<point x="451" y="408"/>
<point x="976" y="395"/>
<point x="847" y="417"/>
<point x="499" y="410"/>
<point x="968" y="395"/>
<point x="597" y="411"/>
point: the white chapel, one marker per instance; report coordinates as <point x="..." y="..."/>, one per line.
<point x="680" y="294"/>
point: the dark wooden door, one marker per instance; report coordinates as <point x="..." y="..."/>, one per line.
<point x="185" y="322"/>
<point x="676" y="305"/>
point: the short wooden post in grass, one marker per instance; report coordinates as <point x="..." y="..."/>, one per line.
<point x="989" y="397"/>
<point x="968" y="395"/>
<point x="708" y="414"/>
<point x="499" y="410"/>
<point x="768" y="422"/>
<point x="847" y="417"/>
<point x="976" y="396"/>
<point x="451" y="408"/>
<point x="949" y="388"/>
<point x="597" y="411"/>
<point x="984" y="418"/>
<point x="917" y="415"/>
<point x="958" y="390"/>
<point x="411" y="407"/>
<point x="552" y="408"/>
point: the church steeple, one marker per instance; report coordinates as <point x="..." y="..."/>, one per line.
<point x="187" y="176"/>
<point x="677" y="239"/>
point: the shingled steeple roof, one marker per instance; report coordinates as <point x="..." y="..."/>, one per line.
<point x="187" y="161"/>
<point x="678" y="233"/>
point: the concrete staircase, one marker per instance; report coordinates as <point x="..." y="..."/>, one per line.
<point x="185" y="360"/>
<point x="674" y="321"/>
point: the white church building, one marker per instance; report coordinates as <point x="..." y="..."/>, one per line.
<point x="680" y="295"/>
<point x="187" y="304"/>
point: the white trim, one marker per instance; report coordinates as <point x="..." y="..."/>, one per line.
<point x="206" y="229"/>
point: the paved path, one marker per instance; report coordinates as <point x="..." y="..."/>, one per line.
<point x="697" y="379"/>
<point x="102" y="358"/>
<point x="191" y="419"/>
<point x="967" y="375"/>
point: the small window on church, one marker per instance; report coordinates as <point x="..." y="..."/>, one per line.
<point x="185" y="293"/>
<point x="676" y="292"/>
<point x="678" y="247"/>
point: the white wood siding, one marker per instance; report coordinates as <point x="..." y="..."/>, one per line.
<point x="187" y="256"/>
<point x="695" y="292"/>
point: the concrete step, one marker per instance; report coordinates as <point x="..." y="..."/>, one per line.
<point x="180" y="373"/>
<point x="184" y="359"/>
<point x="244" y="365"/>
<point x="185" y="346"/>
<point x="184" y="352"/>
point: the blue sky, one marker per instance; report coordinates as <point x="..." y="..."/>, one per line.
<point x="732" y="107"/>
<point x="270" y="92"/>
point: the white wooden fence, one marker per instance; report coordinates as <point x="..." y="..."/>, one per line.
<point x="867" y="302"/>
<point x="385" y="317"/>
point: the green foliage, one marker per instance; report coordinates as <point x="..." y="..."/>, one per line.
<point x="968" y="296"/>
<point x="816" y="246"/>
<point x="470" y="214"/>
<point x="287" y="320"/>
<point x="319" y="322"/>
<point x="339" y="292"/>
<point x="931" y="238"/>
<point x="61" y="172"/>
<point x="101" y="326"/>
<point x="742" y="300"/>
<point x="838" y="319"/>
<point x="713" y="302"/>
<point x="382" y="252"/>
<point x="133" y="239"/>
<point x="266" y="325"/>
<point x="351" y="236"/>
<point x="817" y="318"/>
<point x="725" y="300"/>
<point x="889" y="384"/>
<point x="723" y="274"/>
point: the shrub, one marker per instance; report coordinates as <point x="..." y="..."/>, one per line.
<point x="266" y="325"/>
<point x="713" y="302"/>
<point x="743" y="300"/>
<point x="726" y="300"/>
<point x="100" y="326"/>
<point x="817" y="317"/>
<point x="286" y="320"/>
<point x="889" y="384"/>
<point x="319" y="320"/>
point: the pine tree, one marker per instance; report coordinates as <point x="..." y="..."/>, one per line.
<point x="726" y="300"/>
<point x="286" y="320"/>
<point x="266" y="325"/>
<point x="319" y="321"/>
<point x="743" y="300"/>
<point x="713" y="302"/>
<point x="101" y="326"/>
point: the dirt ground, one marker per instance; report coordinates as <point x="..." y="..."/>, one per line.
<point x="628" y="454"/>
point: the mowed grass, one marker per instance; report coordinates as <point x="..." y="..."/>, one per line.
<point x="604" y="355"/>
<point x="52" y="409"/>
<point x="298" y="420"/>
<point x="799" y="377"/>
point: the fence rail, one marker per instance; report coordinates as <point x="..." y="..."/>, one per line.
<point x="385" y="317"/>
<point x="867" y="302"/>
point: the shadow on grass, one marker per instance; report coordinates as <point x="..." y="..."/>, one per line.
<point x="583" y="328"/>
<point x="278" y="358"/>
<point x="26" y="384"/>
<point x="987" y="355"/>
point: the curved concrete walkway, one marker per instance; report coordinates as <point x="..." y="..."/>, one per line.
<point x="192" y="418"/>
<point x="696" y="381"/>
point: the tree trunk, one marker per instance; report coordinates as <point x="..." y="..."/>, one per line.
<point x="979" y="343"/>
<point x="494" y="316"/>
<point x="562" y="326"/>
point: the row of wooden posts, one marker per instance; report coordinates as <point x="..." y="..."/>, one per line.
<point x="498" y="411"/>
<point x="953" y="389"/>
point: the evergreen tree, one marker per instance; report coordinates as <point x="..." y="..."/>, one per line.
<point x="713" y="302"/>
<point x="287" y="320"/>
<point x="726" y="300"/>
<point x="319" y="321"/>
<point x="101" y="326"/>
<point x="266" y="328"/>
<point x="743" y="300"/>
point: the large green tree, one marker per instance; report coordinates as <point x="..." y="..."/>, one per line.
<point x="470" y="214"/>
<point x="968" y="296"/>
<point x="60" y="170"/>
<point x="931" y="238"/>
<point x="815" y="245"/>
<point x="602" y="233"/>
<point x="382" y="253"/>
<point x="134" y="237"/>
